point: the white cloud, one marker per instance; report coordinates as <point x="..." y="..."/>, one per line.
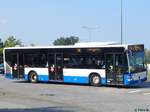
<point x="3" y="21"/>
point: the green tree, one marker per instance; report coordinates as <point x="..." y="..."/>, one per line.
<point x="66" y="40"/>
<point x="9" y="42"/>
<point x="12" y="42"/>
<point x="32" y="44"/>
<point x="1" y="51"/>
<point x="1" y="46"/>
<point x="147" y="55"/>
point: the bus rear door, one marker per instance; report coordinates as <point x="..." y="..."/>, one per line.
<point x="17" y="65"/>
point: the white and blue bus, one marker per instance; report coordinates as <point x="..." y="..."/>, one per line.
<point x="83" y="63"/>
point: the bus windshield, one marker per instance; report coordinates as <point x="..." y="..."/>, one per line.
<point x="136" y="61"/>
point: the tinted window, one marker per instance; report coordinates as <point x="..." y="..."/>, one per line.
<point x="83" y="61"/>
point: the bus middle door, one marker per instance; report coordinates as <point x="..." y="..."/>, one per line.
<point x="55" y="66"/>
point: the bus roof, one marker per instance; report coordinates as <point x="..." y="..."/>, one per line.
<point x="77" y="45"/>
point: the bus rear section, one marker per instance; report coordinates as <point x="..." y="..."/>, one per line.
<point x="13" y="64"/>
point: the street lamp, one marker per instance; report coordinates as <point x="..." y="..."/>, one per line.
<point x="121" y="11"/>
<point x="90" y="29"/>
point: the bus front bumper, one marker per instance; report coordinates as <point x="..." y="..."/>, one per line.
<point x="136" y="78"/>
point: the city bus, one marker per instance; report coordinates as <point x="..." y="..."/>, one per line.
<point x="99" y="63"/>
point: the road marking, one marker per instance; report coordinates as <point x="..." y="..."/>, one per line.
<point x="134" y="91"/>
<point x="146" y="94"/>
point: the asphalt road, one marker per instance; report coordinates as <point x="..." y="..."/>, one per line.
<point x="20" y="96"/>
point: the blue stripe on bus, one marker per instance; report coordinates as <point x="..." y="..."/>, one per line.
<point x="103" y="80"/>
<point x="43" y="78"/>
<point x="76" y="79"/>
<point x="8" y="75"/>
<point x="67" y="79"/>
<point x="126" y="77"/>
<point x="26" y="77"/>
<point x="138" y="81"/>
<point x="130" y="82"/>
<point x="82" y="80"/>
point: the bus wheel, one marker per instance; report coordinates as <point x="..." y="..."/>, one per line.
<point x="95" y="80"/>
<point x="33" y="77"/>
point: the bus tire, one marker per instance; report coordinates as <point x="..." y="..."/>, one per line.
<point x="95" y="80"/>
<point x="33" y="78"/>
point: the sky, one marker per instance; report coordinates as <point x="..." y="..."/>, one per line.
<point x="43" y="21"/>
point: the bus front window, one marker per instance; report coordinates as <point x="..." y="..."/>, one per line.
<point x="136" y="61"/>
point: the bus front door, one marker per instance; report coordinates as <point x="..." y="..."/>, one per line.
<point x="55" y="66"/>
<point x="114" y="63"/>
<point x="17" y="66"/>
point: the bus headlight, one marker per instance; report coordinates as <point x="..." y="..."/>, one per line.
<point x="129" y="78"/>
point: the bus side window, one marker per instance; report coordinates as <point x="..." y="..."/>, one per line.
<point x="43" y="61"/>
<point x="119" y="60"/>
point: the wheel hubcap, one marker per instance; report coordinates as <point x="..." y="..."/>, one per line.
<point x="33" y="77"/>
<point x="96" y="79"/>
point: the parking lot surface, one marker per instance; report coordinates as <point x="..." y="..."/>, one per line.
<point x="21" y="96"/>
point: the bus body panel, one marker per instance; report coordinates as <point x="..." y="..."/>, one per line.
<point x="69" y="75"/>
<point x="42" y="73"/>
<point x="8" y="71"/>
<point x="82" y="75"/>
<point x="135" y="78"/>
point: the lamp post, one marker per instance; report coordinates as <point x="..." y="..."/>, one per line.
<point x="121" y="11"/>
<point x="89" y="29"/>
